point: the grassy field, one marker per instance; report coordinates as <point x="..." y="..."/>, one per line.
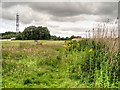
<point x="58" y="64"/>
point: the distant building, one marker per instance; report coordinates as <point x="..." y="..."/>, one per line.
<point x="77" y="38"/>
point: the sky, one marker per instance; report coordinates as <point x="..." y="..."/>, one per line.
<point x="62" y="18"/>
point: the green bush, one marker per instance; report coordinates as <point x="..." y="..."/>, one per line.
<point x="95" y="66"/>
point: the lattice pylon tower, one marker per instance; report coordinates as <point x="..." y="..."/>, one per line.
<point x="17" y="23"/>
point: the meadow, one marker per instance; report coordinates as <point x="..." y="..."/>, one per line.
<point x="91" y="62"/>
<point x="59" y="64"/>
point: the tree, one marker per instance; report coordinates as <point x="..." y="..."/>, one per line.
<point x="54" y="37"/>
<point x="33" y="33"/>
<point x="36" y="33"/>
<point x="19" y="36"/>
<point x="8" y="35"/>
<point x="28" y="33"/>
<point x="72" y="37"/>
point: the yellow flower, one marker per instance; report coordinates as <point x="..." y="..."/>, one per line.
<point x="91" y="50"/>
<point x="65" y="46"/>
<point x="78" y="44"/>
<point x="69" y="46"/>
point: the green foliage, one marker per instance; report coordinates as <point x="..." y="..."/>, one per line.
<point x="59" y="38"/>
<point x="20" y="36"/>
<point x="80" y="64"/>
<point x="36" y="33"/>
<point x="32" y="33"/>
<point x="95" y="65"/>
<point x="8" y="35"/>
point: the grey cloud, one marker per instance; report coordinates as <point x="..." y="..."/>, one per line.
<point x="76" y="8"/>
<point x="27" y="15"/>
<point x="69" y="11"/>
<point x="56" y="31"/>
<point x="107" y="8"/>
<point x="106" y="18"/>
<point x="63" y="11"/>
<point x="68" y="19"/>
<point x="53" y="26"/>
<point x="6" y="14"/>
<point x="74" y="29"/>
<point x="10" y="4"/>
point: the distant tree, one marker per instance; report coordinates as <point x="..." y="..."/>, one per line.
<point x="72" y="37"/>
<point x="33" y="33"/>
<point x="19" y="36"/>
<point x="36" y="33"/>
<point x="59" y="38"/>
<point x="8" y="35"/>
<point x="53" y="37"/>
<point x="67" y="38"/>
<point x="28" y="33"/>
<point x="43" y="32"/>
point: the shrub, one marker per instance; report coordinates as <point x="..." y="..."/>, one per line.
<point x="96" y="62"/>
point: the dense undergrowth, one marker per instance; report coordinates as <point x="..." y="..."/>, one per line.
<point x="73" y="64"/>
<point x="93" y="63"/>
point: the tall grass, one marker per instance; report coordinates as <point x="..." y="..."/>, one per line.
<point x="98" y="63"/>
<point x="89" y="63"/>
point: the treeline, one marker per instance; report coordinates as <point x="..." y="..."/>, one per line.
<point x="33" y="33"/>
<point x="7" y="35"/>
<point x="59" y="38"/>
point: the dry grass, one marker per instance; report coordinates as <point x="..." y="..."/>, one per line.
<point x="107" y="35"/>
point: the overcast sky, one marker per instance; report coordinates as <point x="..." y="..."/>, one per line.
<point x="61" y="18"/>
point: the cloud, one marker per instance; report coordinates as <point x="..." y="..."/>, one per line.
<point x="26" y="14"/>
<point x="62" y="18"/>
<point x="62" y="11"/>
<point x="73" y="12"/>
<point x="107" y="8"/>
<point x="68" y="9"/>
<point x="11" y="4"/>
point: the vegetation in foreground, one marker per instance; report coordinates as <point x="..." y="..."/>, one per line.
<point x="88" y="63"/>
<point x="55" y="64"/>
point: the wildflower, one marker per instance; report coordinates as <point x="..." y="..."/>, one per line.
<point x="65" y="46"/>
<point x="78" y="44"/>
<point x="91" y="50"/>
<point x="69" y="46"/>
